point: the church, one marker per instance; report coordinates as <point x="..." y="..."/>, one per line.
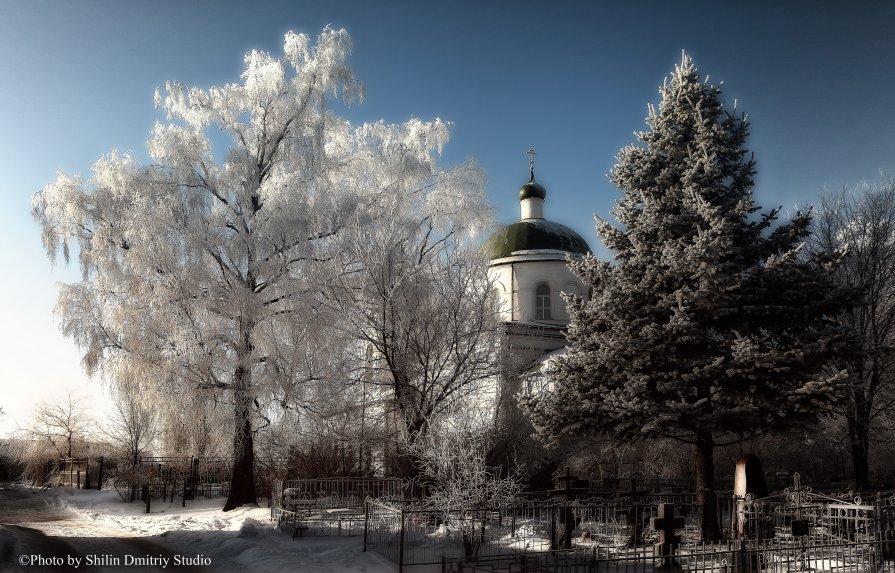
<point x="529" y="271"/>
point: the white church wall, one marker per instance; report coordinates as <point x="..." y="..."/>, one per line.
<point x="517" y="277"/>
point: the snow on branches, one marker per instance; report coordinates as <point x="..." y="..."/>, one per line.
<point x="206" y="267"/>
<point x="709" y="327"/>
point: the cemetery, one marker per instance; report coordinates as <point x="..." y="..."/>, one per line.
<point x="793" y="530"/>
<point x="300" y="309"/>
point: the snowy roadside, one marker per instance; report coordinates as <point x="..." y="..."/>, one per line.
<point x="242" y="539"/>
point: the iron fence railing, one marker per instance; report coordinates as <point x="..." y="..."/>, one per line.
<point x="606" y="535"/>
<point x="729" y="557"/>
<point x="415" y="535"/>
<point x="327" y="507"/>
<point x="179" y="478"/>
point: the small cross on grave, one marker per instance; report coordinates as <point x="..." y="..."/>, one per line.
<point x="570" y="487"/>
<point x="667" y="524"/>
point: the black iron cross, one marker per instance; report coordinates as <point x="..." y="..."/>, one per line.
<point x="571" y="486"/>
<point x="797" y="494"/>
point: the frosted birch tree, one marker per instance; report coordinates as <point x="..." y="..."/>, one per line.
<point x="414" y="289"/>
<point x="203" y="266"/>
<point x="709" y="327"/>
<point x="132" y="427"/>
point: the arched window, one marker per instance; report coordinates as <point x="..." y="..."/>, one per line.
<point x="542" y="302"/>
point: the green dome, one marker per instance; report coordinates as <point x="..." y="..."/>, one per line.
<point x="535" y="234"/>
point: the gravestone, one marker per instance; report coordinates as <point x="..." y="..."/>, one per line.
<point x="667" y="524"/>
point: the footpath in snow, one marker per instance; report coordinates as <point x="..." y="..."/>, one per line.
<point x="100" y="530"/>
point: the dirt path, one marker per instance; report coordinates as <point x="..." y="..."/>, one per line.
<point x="38" y="534"/>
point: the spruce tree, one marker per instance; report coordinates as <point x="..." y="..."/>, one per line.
<point x="709" y="326"/>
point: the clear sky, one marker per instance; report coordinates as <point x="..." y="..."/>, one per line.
<point x="571" y="79"/>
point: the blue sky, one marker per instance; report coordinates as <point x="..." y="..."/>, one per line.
<point x="571" y="79"/>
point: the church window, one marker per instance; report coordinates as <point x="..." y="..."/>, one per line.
<point x="542" y="302"/>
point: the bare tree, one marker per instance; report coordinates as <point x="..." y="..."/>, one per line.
<point x="861" y="222"/>
<point x="62" y="424"/>
<point x="453" y="459"/>
<point x="417" y="295"/>
<point x="133" y="424"/>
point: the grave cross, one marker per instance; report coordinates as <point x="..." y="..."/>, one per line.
<point x="798" y="495"/>
<point x="666" y="524"/>
<point x="570" y="487"/>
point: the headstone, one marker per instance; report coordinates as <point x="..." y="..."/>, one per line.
<point x="667" y="524"/>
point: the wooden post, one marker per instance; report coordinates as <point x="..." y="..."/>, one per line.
<point x="146" y="496"/>
<point x="184" y="492"/>
<point x="99" y="477"/>
<point x="78" y="477"/>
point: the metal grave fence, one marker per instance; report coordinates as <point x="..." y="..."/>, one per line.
<point x="327" y="507"/>
<point x="602" y="535"/>
<point x="413" y="535"/>
<point x="728" y="557"/>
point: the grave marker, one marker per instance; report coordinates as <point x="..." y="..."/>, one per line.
<point x="797" y="495"/>
<point x="667" y="524"/>
<point x="570" y="487"/>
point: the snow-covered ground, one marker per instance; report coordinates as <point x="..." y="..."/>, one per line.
<point x="239" y="540"/>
